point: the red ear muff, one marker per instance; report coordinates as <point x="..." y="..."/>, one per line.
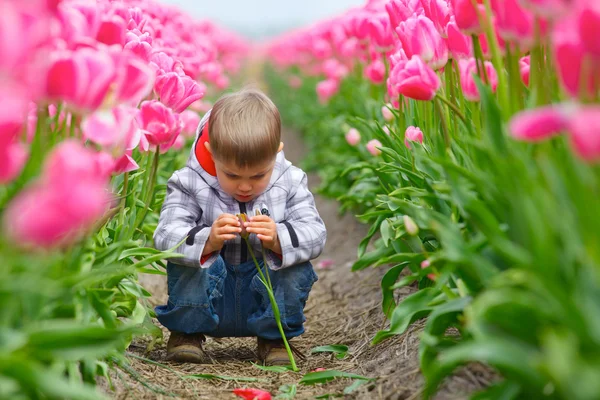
<point x="202" y="155"/>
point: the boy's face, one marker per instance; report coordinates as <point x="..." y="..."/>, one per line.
<point x="244" y="184"/>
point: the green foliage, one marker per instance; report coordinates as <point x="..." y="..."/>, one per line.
<point x="509" y="233"/>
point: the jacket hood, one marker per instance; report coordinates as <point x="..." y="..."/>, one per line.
<point x="200" y="160"/>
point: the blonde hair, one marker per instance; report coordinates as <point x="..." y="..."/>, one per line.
<point x="244" y="127"/>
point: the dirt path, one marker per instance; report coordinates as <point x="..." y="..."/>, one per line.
<point x="343" y="308"/>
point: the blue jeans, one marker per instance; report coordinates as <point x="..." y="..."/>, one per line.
<point x="230" y="301"/>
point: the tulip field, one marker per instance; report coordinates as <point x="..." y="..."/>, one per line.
<point x="464" y="134"/>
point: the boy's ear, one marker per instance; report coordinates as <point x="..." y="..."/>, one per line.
<point x="207" y="146"/>
<point x="280" y="147"/>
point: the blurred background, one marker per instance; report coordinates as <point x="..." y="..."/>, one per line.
<point x="258" y="19"/>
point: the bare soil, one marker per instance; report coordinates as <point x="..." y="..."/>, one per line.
<point x="344" y="308"/>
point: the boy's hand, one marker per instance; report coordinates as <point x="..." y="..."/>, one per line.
<point x="266" y="230"/>
<point x="225" y="227"/>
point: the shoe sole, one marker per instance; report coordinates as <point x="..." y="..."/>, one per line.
<point x="186" y="356"/>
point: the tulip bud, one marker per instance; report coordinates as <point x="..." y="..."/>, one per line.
<point x="243" y="218"/>
<point x="388" y="115"/>
<point x="410" y="225"/>
<point x="353" y="137"/>
<point x="372" y="146"/>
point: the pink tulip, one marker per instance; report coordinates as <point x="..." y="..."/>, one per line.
<point x="190" y="120"/>
<point x="548" y="8"/>
<point x="459" y="44"/>
<point x="387" y="114"/>
<point x="386" y="130"/>
<point x="133" y="81"/>
<point x="413" y="134"/>
<point x="439" y="12"/>
<point x="125" y="163"/>
<point x="372" y="147"/>
<point x="415" y="80"/>
<point x="179" y="143"/>
<point x="178" y="92"/>
<point x="380" y="32"/>
<point x="162" y="63"/>
<point x="70" y="161"/>
<point x="467" y="16"/>
<point x="524" y="67"/>
<point x="419" y="37"/>
<point x="252" y="394"/>
<point x="114" y="129"/>
<point x="81" y="78"/>
<point x="325" y="264"/>
<point x="375" y="72"/>
<point x="12" y="31"/>
<point x="589" y="27"/>
<point x="467" y="69"/>
<point x="540" y="123"/>
<point x="584" y="131"/>
<point x="401" y="10"/>
<point x="353" y="137"/>
<point x="514" y="23"/>
<point x="569" y="55"/>
<point x="140" y="45"/>
<point x="321" y="49"/>
<point x="13" y="157"/>
<point x="72" y="194"/>
<point x="112" y="30"/>
<point x="45" y="215"/>
<point x="333" y="69"/>
<point x="159" y="125"/>
<point x="326" y="89"/>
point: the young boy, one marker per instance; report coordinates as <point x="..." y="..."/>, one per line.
<point x="237" y="166"/>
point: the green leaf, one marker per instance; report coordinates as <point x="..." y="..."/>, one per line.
<point x="286" y="392"/>
<point x="388" y="280"/>
<point x="339" y="350"/>
<point x="385" y="231"/>
<point x="493" y="122"/>
<point x="37" y="380"/>
<point x="138" y="251"/>
<point x="505" y="390"/>
<point x="355" y="385"/>
<point x="313" y="378"/>
<point x="443" y="317"/>
<point x="362" y="247"/>
<point x="512" y="358"/>
<point x="412" y="308"/>
<point x="70" y="340"/>
<point x="273" y="368"/>
<point x="371" y="258"/>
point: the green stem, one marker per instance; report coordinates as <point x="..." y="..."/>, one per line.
<point x="149" y="193"/>
<point x="496" y="57"/>
<point x="440" y="111"/>
<point x="449" y="72"/>
<point x="448" y="292"/>
<point x="276" y="313"/>
<point x="479" y="59"/>
<point x="454" y="108"/>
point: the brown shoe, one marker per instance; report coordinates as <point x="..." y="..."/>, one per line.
<point x="186" y="348"/>
<point x="272" y="352"/>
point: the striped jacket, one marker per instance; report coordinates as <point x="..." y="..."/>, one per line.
<point x="195" y="199"/>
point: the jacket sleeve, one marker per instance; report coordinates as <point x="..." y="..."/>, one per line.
<point x="178" y="221"/>
<point x="302" y="233"/>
